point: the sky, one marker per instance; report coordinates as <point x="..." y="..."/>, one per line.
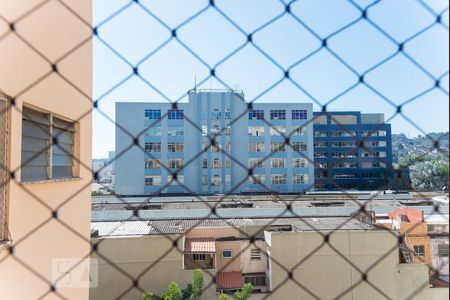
<point x="139" y="35"/>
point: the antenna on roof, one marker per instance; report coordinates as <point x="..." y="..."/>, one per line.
<point x="195" y="81"/>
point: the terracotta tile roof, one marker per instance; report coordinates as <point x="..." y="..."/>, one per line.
<point x="200" y="245"/>
<point x="229" y="280"/>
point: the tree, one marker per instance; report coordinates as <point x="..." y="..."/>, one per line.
<point x="197" y="284"/>
<point x="193" y="291"/>
<point x="430" y="175"/>
<point x="242" y="294"/>
<point x="173" y="293"/>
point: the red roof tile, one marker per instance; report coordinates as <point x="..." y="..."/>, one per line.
<point x="200" y="245"/>
<point x="229" y="280"/>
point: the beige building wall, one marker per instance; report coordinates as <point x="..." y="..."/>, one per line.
<point x="228" y="264"/>
<point x="152" y="260"/>
<point x="247" y="264"/>
<point x="37" y="238"/>
<point x="326" y="275"/>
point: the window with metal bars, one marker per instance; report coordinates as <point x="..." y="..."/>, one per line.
<point x="47" y="146"/>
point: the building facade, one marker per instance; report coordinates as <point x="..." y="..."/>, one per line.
<point x="221" y="135"/>
<point x="351" y="150"/>
<point x="45" y="150"/>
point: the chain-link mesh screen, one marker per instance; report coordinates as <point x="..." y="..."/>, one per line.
<point x="58" y="156"/>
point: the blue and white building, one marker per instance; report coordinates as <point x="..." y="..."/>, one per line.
<point x="211" y="143"/>
<point x="352" y="150"/>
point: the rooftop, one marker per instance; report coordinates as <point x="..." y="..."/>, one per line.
<point x="177" y="227"/>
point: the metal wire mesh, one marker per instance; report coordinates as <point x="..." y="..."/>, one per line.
<point x="214" y="207"/>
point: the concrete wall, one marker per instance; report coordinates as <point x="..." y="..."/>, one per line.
<point x="439" y="263"/>
<point x="325" y="274"/>
<point x="151" y="259"/>
<point x="37" y="238"/>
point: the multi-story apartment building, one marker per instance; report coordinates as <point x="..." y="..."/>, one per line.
<point x="213" y="143"/>
<point x="351" y="150"/>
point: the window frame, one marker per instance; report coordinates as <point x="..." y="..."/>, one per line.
<point x="299" y="114"/>
<point x="55" y="123"/>
<point x="227" y="250"/>
<point x="417" y="252"/>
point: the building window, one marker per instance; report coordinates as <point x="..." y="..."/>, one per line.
<point x="320" y="144"/>
<point x="228" y="147"/>
<point x="227" y="253"/>
<point x="320" y="154"/>
<point x="152" y="180"/>
<point x="256" y="114"/>
<point x="299" y="114"/>
<point x="255" y="254"/>
<point x="345" y="176"/>
<point x="443" y="250"/>
<point x="175" y="147"/>
<point x="175" y="114"/>
<point x="299" y="163"/>
<point x="216" y="163"/>
<point x="320" y="133"/>
<point x="347" y="154"/>
<point x="300" y="178"/>
<point x="301" y="130"/>
<point x="278" y="178"/>
<point x="256" y="281"/>
<point x="256" y="147"/>
<point x="228" y="164"/>
<point x="204" y="146"/>
<point x="227" y="179"/>
<point x="216" y="114"/>
<point x="216" y="148"/>
<point x="204" y="163"/>
<point x="278" y="114"/>
<point x="41" y="158"/>
<point x="204" y="130"/>
<point x="255" y="130"/>
<point x="152" y="164"/>
<point x="216" y="180"/>
<point x="154" y="131"/>
<point x="257" y="179"/>
<point x="228" y="130"/>
<point x="343" y="133"/>
<point x="153" y="114"/>
<point x="349" y="165"/>
<point x="419" y="250"/>
<point x="278" y="162"/>
<point x="255" y="163"/>
<point x="277" y="147"/>
<point x="178" y="181"/>
<point x="204" y="180"/>
<point x="227" y="114"/>
<point x="152" y="147"/>
<point x="343" y="144"/>
<point x="175" y="131"/>
<point x="216" y="131"/>
<point x="373" y="133"/>
<point x="277" y="130"/>
<point x="176" y="163"/>
<point x="199" y="257"/>
<point x="299" y="146"/>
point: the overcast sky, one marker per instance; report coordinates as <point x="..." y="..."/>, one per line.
<point x="170" y="69"/>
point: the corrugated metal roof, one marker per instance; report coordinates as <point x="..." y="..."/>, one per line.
<point x="200" y="245"/>
<point x="168" y="227"/>
<point x="229" y="280"/>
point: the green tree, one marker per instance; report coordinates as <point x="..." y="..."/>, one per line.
<point x="242" y="294"/>
<point x="430" y="175"/>
<point x="173" y="293"/>
<point x="197" y="284"/>
<point x="193" y="291"/>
